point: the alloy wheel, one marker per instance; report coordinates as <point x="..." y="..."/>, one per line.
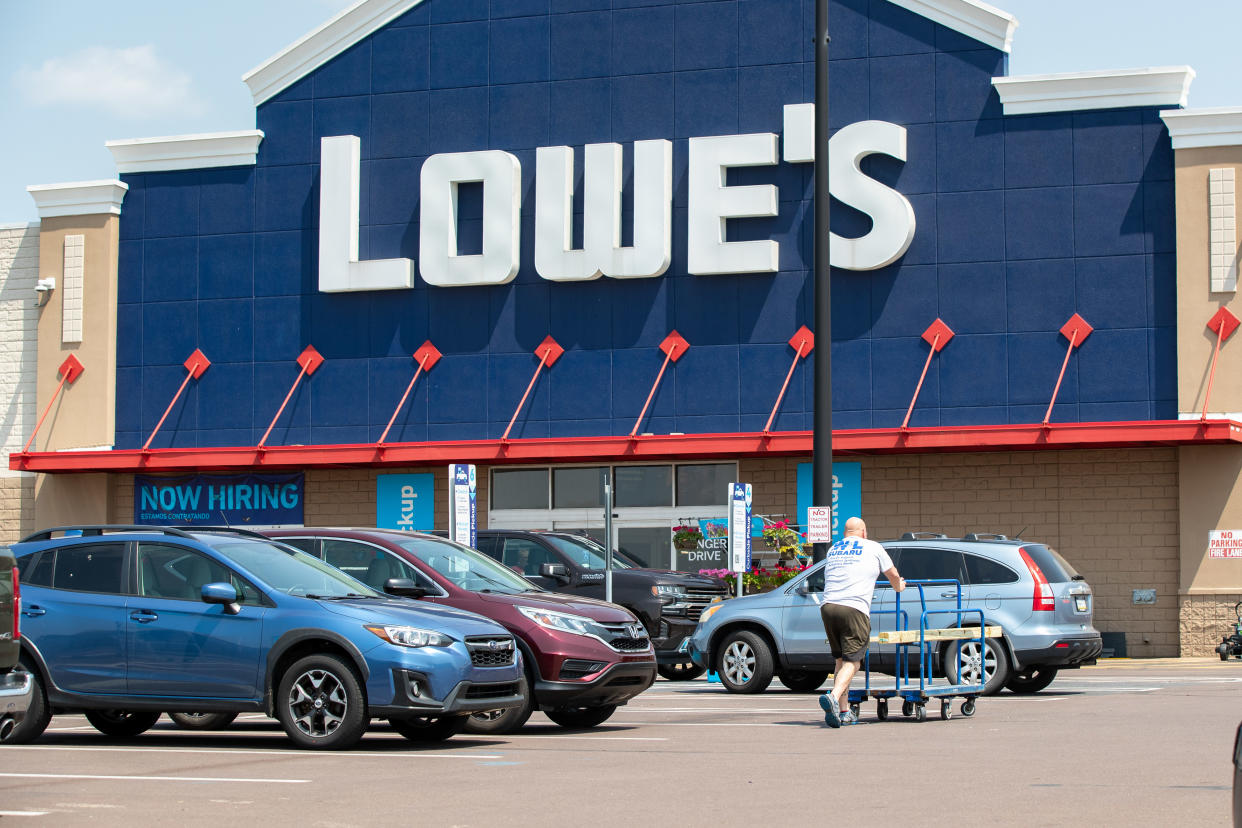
<point x="972" y="660"/>
<point x="739" y="662"/>
<point x="318" y="703"/>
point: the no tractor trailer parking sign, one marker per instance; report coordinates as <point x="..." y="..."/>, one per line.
<point x="1225" y="543"/>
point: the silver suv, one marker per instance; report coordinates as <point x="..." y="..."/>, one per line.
<point x="1041" y="603"/>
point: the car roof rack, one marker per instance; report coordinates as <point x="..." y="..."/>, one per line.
<point x="228" y="530"/>
<point x="94" y="530"/>
<point x="975" y="536"/>
<point x="923" y="535"/>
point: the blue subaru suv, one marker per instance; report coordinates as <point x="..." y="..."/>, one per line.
<point x="124" y="622"/>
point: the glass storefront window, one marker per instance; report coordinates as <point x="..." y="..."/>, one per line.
<point x="644" y="486"/>
<point x="705" y="484"/>
<point x="578" y="488"/>
<point x="519" y="488"/>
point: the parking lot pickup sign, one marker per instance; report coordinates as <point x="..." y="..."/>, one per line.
<point x="819" y="524"/>
<point x="739" y="527"/>
<point x="463" y="493"/>
<point x="1225" y="543"/>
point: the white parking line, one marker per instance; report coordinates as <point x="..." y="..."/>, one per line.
<point x="152" y="778"/>
<point x="288" y="754"/>
<point x="528" y="736"/>
<point x="23" y="813"/>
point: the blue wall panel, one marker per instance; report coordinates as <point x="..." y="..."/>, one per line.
<point x="1022" y="221"/>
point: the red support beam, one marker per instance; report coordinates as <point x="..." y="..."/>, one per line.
<point x="937" y="336"/>
<point x="548" y="352"/>
<point x="802" y="338"/>
<point x="1223" y="324"/>
<point x="310" y="360"/>
<point x="1076" y="330"/>
<point x="426" y="356"/>
<point x="674" y="347"/>
<point x="69" y="371"/>
<point x="196" y="364"/>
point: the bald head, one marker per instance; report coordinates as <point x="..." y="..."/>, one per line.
<point x="855" y="527"/>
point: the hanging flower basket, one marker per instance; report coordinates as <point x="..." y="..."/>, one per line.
<point x="686" y="538"/>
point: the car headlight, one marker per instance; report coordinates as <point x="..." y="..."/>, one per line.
<point x="710" y="611"/>
<point x="562" y="621"/>
<point x="409" y="636"/>
<point x="673" y="591"/>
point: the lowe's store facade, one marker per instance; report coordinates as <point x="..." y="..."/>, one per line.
<point x="562" y="238"/>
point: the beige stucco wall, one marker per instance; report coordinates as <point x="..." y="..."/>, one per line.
<point x="72" y="499"/>
<point x="84" y="415"/>
<point x="1195" y="302"/>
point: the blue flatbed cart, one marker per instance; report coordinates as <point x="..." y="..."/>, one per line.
<point x="916" y="692"/>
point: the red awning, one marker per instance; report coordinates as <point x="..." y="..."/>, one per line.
<point x="1026" y="437"/>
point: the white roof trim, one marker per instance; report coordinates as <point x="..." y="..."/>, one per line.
<point x="296" y="61"/>
<point x="1208" y="127"/>
<point x="1115" y="89"/>
<point x="78" y="198"/>
<point x="186" y="152"/>
<point x="984" y="23"/>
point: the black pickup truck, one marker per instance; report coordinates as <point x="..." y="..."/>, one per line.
<point x="16" y="689"/>
<point x="668" y="603"/>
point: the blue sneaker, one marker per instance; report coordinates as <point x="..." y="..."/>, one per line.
<point x="848" y="718"/>
<point x="832" y="711"/>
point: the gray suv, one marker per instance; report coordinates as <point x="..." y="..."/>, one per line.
<point x="1043" y="606"/>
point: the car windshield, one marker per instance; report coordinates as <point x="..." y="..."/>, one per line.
<point x="585" y="552"/>
<point x="465" y="567"/>
<point x="290" y="570"/>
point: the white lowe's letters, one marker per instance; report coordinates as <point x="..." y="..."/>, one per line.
<point x="339" y="268"/>
<point x="892" y="217"/>
<point x="602" y="253"/>
<point x="712" y="203"/>
<point x="501" y="175"/>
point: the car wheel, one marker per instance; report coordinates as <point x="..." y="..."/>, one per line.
<point x="580" y="717"/>
<point x="745" y="663"/>
<point x="202" y="721"/>
<point x="37" y="715"/>
<point x="803" y="681"/>
<point x="319" y="703"/>
<point x="424" y="729"/>
<point x="122" y="724"/>
<point x="1031" y="680"/>
<point x="991" y="666"/>
<point x="681" y="671"/>
<point x="506" y="720"/>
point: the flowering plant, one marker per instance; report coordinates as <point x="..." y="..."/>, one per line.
<point x="759" y="579"/>
<point x="782" y="539"/>
<point x="686" y="536"/>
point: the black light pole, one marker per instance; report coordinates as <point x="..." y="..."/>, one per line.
<point x="821" y="434"/>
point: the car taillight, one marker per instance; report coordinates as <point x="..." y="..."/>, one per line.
<point x="1041" y="599"/>
<point x="17" y="606"/>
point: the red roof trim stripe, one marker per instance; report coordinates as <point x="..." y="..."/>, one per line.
<point x="1026" y="437"/>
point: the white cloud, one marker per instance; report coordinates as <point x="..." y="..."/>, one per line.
<point x="129" y="83"/>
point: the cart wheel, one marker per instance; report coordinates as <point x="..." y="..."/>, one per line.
<point x="968" y="707"/>
<point x="907" y="709"/>
<point x="920" y="712"/>
<point x="854" y="708"/>
<point x="946" y="710"/>
<point x="881" y="709"/>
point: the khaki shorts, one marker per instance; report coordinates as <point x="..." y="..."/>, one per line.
<point x="848" y="629"/>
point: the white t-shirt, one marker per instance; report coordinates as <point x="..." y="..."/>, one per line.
<point x="851" y="568"/>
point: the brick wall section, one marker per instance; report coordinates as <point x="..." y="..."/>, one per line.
<point x="1112" y="513"/>
<point x="19" y="318"/>
<point x="1205" y="619"/>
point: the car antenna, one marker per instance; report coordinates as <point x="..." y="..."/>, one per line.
<point x="225" y="518"/>
<point x="1019" y="535"/>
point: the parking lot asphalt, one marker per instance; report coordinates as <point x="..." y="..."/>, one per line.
<point x="1121" y="743"/>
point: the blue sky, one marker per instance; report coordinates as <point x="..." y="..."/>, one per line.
<point x="77" y="73"/>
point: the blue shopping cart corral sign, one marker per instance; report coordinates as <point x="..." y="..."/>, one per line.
<point x="235" y="500"/>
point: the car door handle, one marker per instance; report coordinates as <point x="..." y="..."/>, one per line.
<point x="948" y="594"/>
<point x="143" y="617"/>
<point x="33" y="611"/>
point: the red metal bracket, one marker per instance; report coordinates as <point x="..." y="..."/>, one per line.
<point x="310" y="360"/>
<point x="426" y="356"/>
<point x="69" y="371"/>
<point x="196" y="364"/>
<point x="937" y="336"/>
<point x="1223" y="324"/>
<point x="1076" y="330"/>
<point x="674" y="347"/>
<point x="548" y="352"/>
<point x="803" y="342"/>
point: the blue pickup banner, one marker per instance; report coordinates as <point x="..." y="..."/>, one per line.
<point x="846" y="495"/>
<point x="405" y="502"/>
<point x="217" y="500"/>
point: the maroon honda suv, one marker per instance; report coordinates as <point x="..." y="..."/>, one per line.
<point x="583" y="657"/>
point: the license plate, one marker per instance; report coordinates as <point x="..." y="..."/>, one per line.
<point x="1080" y="603"/>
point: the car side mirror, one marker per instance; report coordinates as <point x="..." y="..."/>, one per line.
<point x="403" y="588"/>
<point x="801" y="589"/>
<point x="221" y="593"/>
<point x="553" y="570"/>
